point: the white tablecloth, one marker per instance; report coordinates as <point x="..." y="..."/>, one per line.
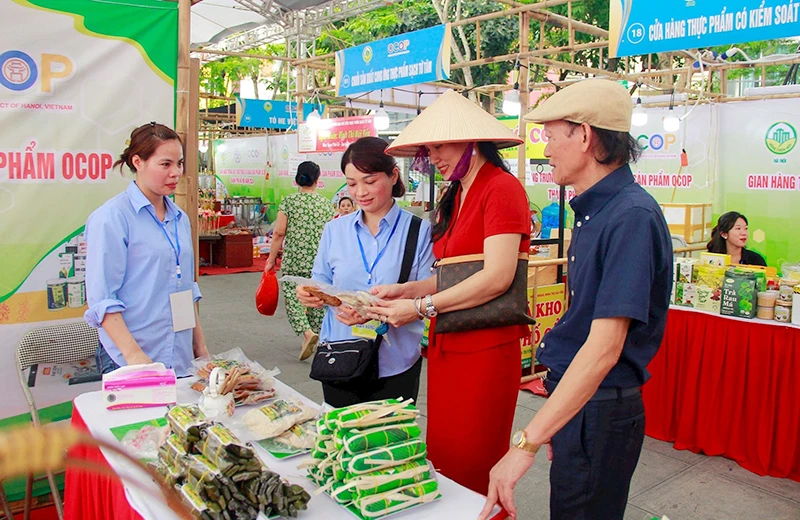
<point x="456" y="502"/>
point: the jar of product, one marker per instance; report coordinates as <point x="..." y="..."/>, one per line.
<point x="767" y="298"/>
<point x="786" y="290"/>
<point x="56" y="294"/>
<point x="783" y="312"/>
<point x="765" y="313"/>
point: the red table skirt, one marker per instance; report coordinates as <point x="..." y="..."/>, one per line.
<point x="727" y="387"/>
<point x="90" y="495"/>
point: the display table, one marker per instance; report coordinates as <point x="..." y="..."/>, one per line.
<point x="90" y="496"/>
<point x="730" y="387"/>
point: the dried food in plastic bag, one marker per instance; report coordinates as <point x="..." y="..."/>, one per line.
<point x="300" y="436"/>
<point x="186" y="421"/>
<point x="143" y="443"/>
<point x="275" y="418"/>
<point x="255" y="384"/>
<point x="359" y="301"/>
<point x="220" y="446"/>
<point x="173" y="454"/>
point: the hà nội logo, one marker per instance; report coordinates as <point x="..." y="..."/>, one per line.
<point x="781" y="138"/>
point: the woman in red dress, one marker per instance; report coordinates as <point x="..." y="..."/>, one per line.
<point x="473" y="377"/>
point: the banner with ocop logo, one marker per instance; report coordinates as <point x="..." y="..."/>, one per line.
<point x="406" y="59"/>
<point x="76" y="76"/>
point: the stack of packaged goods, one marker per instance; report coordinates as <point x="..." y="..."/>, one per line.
<point x="370" y="459"/>
<point x="220" y="477"/>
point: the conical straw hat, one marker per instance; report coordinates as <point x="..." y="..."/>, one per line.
<point x="451" y="119"/>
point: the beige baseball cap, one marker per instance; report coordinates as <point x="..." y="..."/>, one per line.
<point x="597" y="102"/>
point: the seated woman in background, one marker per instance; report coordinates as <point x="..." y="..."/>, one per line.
<point x="729" y="237"/>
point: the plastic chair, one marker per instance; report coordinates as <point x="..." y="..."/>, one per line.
<point x="56" y="344"/>
<point x="678" y="242"/>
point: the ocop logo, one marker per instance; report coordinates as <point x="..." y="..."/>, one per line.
<point x="781" y="138"/>
<point x="19" y="71"/>
<point x="395" y="48"/>
<point x="367" y="54"/>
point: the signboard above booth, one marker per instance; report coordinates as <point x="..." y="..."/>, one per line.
<point x="406" y="59"/>
<point x="645" y="27"/>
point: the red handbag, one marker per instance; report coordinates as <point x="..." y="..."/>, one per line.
<point x="267" y="294"/>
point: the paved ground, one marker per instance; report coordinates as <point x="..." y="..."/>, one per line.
<point x="679" y="484"/>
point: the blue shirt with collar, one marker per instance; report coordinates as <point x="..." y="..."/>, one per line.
<point x="620" y="265"/>
<point x="339" y="263"/>
<point x="131" y="269"/>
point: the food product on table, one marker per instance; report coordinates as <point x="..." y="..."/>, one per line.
<point x="385" y="457"/>
<point x="369" y="457"/>
<point x="382" y="504"/>
<point x="376" y="413"/>
<point x="275" y="418"/>
<point x="357" y="441"/>
<point x="186" y="421"/>
<point x="302" y="436"/>
<point x="221" y="478"/>
<point x="253" y="384"/>
<point x="739" y="294"/>
<point x="225" y="451"/>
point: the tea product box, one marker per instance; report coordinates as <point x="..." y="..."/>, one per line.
<point x="708" y="281"/>
<point x="685" y="294"/>
<point x="683" y="269"/>
<point x="707" y="298"/>
<point x="739" y="291"/>
<point x="717" y="259"/>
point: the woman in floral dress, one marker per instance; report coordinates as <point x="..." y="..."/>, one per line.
<point x="298" y="228"/>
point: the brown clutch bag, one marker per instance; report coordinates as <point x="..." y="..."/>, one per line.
<point x="510" y="308"/>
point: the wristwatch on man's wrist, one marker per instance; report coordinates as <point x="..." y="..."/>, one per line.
<point x="518" y="440"/>
<point x="430" y="310"/>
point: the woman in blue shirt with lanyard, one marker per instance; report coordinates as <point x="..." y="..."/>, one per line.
<point x="140" y="263"/>
<point x="365" y="249"/>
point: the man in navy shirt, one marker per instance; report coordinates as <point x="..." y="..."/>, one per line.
<point x="619" y="283"/>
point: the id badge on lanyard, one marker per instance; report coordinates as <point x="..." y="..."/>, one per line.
<point x="181" y="302"/>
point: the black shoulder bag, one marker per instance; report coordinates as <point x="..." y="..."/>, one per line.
<point x="350" y="359"/>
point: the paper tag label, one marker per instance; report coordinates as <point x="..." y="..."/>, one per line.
<point x="182" y="304"/>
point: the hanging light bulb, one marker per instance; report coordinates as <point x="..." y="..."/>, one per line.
<point x="671" y="121"/>
<point x="203" y="146"/>
<point x="381" y="120"/>
<point x="511" y="104"/>
<point x="313" y="119"/>
<point x="639" y="117"/>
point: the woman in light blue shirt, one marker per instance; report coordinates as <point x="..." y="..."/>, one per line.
<point x="365" y="249"/>
<point x="140" y="263"/>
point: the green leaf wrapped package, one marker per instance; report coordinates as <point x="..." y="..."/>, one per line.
<point x="220" y="446"/>
<point x="186" y="421"/>
<point x="386" y="457"/>
<point x="357" y="441"/>
<point x="382" y="504"/>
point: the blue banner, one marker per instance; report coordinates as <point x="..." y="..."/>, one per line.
<point x="409" y="58"/>
<point x="260" y="113"/>
<point x="648" y="26"/>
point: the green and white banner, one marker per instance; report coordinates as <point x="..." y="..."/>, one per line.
<point x="76" y="76"/>
<point x="760" y="173"/>
<point x="265" y="167"/>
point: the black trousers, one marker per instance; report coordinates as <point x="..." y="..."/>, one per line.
<point x="594" y="457"/>
<point x="405" y="385"/>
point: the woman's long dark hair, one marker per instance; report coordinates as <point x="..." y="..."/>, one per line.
<point x="725" y="223"/>
<point x="443" y="214"/>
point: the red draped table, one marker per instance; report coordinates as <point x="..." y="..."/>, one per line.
<point x="730" y="387"/>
